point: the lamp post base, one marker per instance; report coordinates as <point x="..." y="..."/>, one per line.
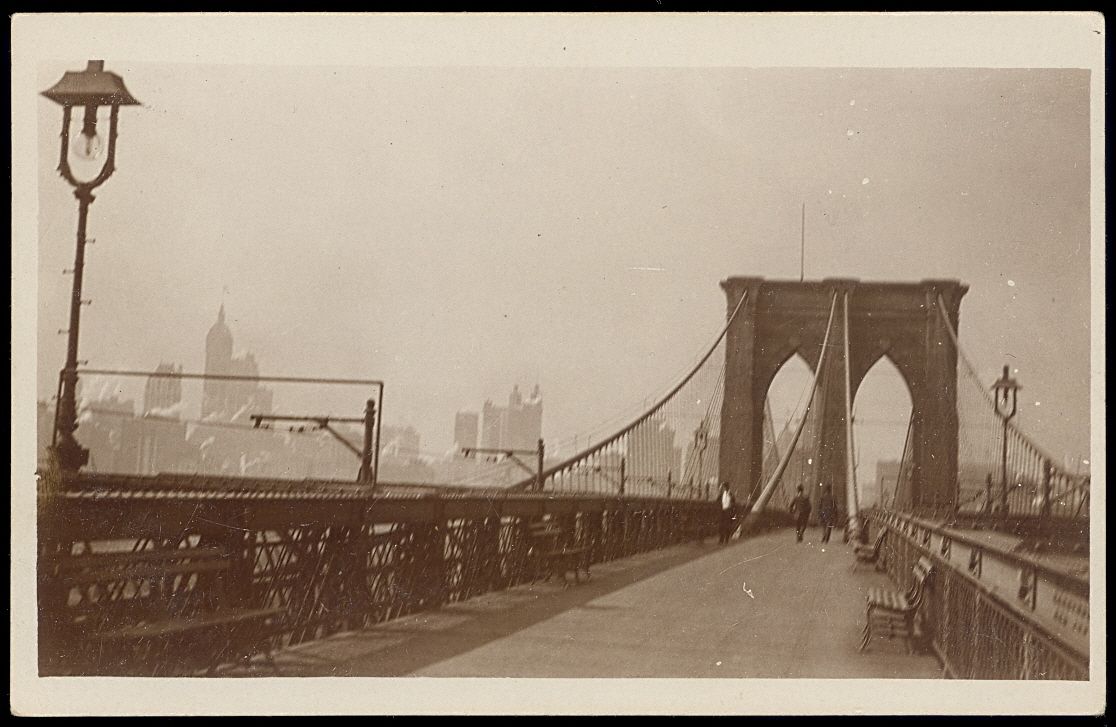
<point x="71" y="455"/>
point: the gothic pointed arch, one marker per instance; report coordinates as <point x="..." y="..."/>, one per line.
<point x="883" y="403"/>
<point x="898" y="320"/>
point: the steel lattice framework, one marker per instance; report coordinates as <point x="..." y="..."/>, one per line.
<point x="323" y="562"/>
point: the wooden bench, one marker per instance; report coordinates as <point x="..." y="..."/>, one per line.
<point x="553" y="554"/>
<point x="150" y="610"/>
<point x="870" y="553"/>
<point x="892" y="614"/>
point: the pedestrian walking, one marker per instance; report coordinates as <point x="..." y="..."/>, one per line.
<point x="728" y="513"/>
<point x="827" y="511"/>
<point x="800" y="507"/>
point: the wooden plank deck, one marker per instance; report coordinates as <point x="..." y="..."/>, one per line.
<point x="765" y="607"/>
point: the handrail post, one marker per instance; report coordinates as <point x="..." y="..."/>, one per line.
<point x="366" y="474"/>
<point x="376" y="444"/>
<point x="542" y="455"/>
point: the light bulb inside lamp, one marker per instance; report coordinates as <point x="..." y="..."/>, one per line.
<point x="88" y="148"/>
<point x="87" y="143"/>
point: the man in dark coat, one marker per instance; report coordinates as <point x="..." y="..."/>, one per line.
<point x="800" y="507"/>
<point x="827" y="512"/>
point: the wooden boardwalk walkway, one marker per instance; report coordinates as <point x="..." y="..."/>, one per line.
<point x="761" y="607"/>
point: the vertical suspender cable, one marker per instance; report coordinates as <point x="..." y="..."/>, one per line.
<point x="903" y="463"/>
<point x="648" y="414"/>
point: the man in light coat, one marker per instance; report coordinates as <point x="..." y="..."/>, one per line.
<point x="728" y="513"/>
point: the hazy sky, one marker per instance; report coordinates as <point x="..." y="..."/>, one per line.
<point x="454" y="231"/>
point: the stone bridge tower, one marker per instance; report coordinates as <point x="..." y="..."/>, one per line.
<point x="898" y="320"/>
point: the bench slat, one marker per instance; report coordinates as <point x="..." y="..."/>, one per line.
<point x="139" y="556"/>
<point x="171" y="627"/>
<point x="891" y="613"/>
<point x="889" y="600"/>
<point x="871" y="552"/>
<point x="143" y="571"/>
<point x="545" y="538"/>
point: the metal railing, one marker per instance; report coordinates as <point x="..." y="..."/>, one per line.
<point x="990" y="613"/>
<point x="328" y="559"/>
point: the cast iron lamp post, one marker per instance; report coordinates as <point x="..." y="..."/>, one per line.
<point x="1005" y="390"/>
<point x="89" y="89"/>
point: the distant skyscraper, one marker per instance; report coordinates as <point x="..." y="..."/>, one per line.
<point x="516" y="426"/>
<point x="218" y="360"/>
<point x="525" y="420"/>
<point x="492" y="425"/>
<point x="465" y="429"/>
<point x="163" y="394"/>
<point x="231" y="399"/>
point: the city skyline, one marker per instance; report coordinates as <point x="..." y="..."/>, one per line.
<point x="399" y="307"/>
<point x="161" y="429"/>
<point x="210" y="429"/>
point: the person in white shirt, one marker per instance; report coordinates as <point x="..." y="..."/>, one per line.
<point x="728" y="513"/>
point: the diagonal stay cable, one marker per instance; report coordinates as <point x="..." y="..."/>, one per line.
<point x="548" y="472"/>
<point x="971" y="371"/>
<point x="776" y="476"/>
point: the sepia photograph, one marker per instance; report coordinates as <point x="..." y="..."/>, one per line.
<point x="547" y="363"/>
